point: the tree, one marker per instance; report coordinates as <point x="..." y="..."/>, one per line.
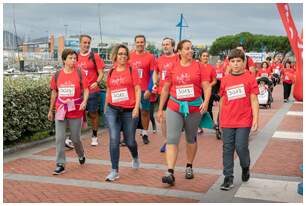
<point x="252" y="42"/>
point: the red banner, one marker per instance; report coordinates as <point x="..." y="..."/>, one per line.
<point x="296" y="43"/>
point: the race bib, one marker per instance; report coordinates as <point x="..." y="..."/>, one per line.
<point x="219" y="75"/>
<point x="120" y="95"/>
<point x="67" y="91"/>
<point x="235" y="92"/>
<point x="184" y="91"/>
<point x="264" y="75"/>
<point x="86" y="72"/>
<point x="276" y="71"/>
<point x="139" y="73"/>
<point x="287" y="78"/>
<point x="164" y="74"/>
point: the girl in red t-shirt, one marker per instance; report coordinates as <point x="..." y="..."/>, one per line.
<point x="288" y="79"/>
<point x="184" y="82"/>
<point x="239" y="111"/>
<point x="264" y="71"/>
<point x="122" y="108"/>
<point x="67" y="87"/>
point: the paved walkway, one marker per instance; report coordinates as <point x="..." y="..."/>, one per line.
<point x="276" y="153"/>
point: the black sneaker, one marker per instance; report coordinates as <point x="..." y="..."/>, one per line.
<point x="168" y="178"/>
<point x="82" y="160"/>
<point x="60" y="169"/>
<point x="145" y="139"/>
<point x="245" y="174"/>
<point x="122" y="143"/>
<point x="189" y="173"/>
<point x="228" y="183"/>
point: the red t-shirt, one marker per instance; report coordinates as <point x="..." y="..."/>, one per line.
<point x="163" y="64"/>
<point x="219" y="72"/>
<point x="236" y="109"/>
<point x="186" y="83"/>
<point x="211" y="70"/>
<point x="143" y="64"/>
<point x="121" y="85"/>
<point x="68" y="87"/>
<point x="277" y="68"/>
<point x="88" y="67"/>
<point x="264" y="72"/>
<point x="288" y="75"/>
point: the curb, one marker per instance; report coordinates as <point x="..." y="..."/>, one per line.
<point x="27" y="145"/>
<point x="18" y="148"/>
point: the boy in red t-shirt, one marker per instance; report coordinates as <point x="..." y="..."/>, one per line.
<point x="238" y="115"/>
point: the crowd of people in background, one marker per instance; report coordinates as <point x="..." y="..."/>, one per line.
<point x="182" y="89"/>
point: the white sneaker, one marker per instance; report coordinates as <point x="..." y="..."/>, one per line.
<point x="135" y="163"/>
<point x="112" y="176"/>
<point x="94" y="141"/>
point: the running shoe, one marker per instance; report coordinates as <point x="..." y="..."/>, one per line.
<point x="112" y="176"/>
<point x="168" y="179"/>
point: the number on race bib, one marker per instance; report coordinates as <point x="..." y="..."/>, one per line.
<point x="235" y="92"/>
<point x="67" y="91"/>
<point x="184" y="91"/>
<point x="120" y="95"/>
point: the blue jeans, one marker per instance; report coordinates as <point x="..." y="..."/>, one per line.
<point x="235" y="138"/>
<point x="116" y="120"/>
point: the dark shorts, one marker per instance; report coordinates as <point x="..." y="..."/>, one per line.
<point x="145" y="103"/>
<point x="93" y="102"/>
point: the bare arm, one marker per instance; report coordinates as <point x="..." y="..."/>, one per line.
<point x="255" y="111"/>
<point x="135" y="112"/>
<point x="207" y="93"/>
<point x="85" y="99"/>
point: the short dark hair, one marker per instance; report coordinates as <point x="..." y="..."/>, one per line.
<point x="236" y="53"/>
<point x="140" y="36"/>
<point x="172" y="41"/>
<point x="115" y="52"/>
<point x="67" y="52"/>
<point x="84" y="35"/>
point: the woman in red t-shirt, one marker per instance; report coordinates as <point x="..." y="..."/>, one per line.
<point x="288" y="79"/>
<point x="184" y="81"/>
<point x="264" y="70"/>
<point x="122" y="108"/>
<point x="68" y="85"/>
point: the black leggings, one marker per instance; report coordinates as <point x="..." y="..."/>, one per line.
<point x="287" y="90"/>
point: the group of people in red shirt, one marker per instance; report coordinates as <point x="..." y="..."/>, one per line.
<point x="184" y="87"/>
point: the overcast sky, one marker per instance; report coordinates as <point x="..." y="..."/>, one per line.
<point x="121" y="22"/>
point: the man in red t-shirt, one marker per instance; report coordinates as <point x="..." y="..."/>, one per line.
<point x="93" y="66"/>
<point x="239" y="112"/>
<point x="164" y="63"/>
<point x="143" y="62"/>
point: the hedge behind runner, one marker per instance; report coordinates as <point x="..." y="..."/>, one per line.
<point x="25" y="107"/>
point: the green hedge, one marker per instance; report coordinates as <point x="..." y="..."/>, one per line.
<point x="25" y="107"/>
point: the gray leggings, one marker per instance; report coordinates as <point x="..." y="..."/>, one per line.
<point x="60" y="134"/>
<point x="176" y="122"/>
